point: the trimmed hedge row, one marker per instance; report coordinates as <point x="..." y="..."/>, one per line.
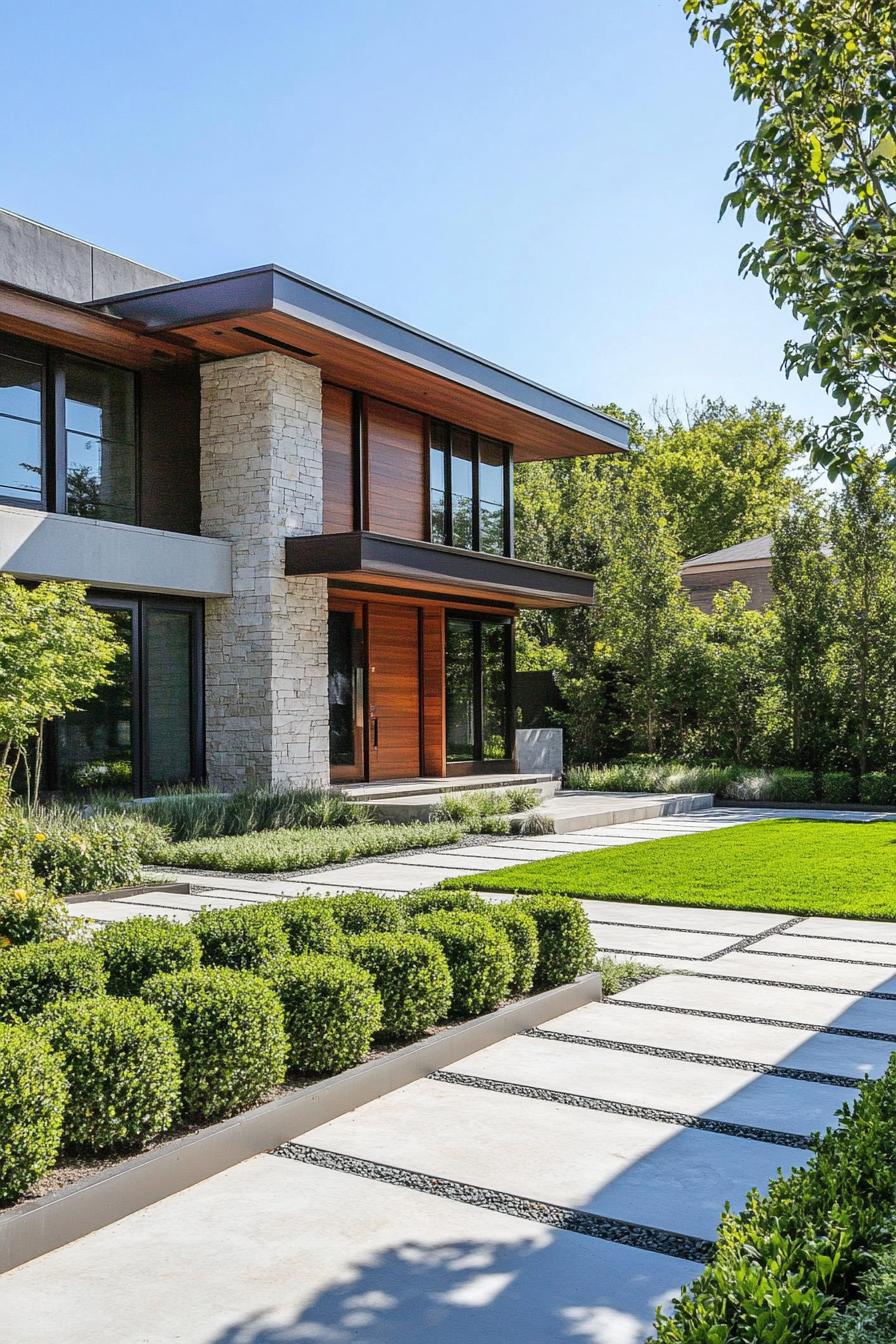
<point x="104" y="1046"/>
<point x="786" y="1265"/>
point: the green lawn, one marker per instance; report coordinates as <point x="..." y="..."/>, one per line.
<point x="799" y="867"/>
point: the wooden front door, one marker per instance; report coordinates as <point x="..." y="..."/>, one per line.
<point x="393" y="698"/>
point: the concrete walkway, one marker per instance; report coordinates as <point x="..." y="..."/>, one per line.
<point x="392" y="875"/>
<point x="559" y="1185"/>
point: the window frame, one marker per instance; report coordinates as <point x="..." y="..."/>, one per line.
<point x="449" y="430"/>
<point x="54" y="453"/>
<point x="138" y="604"/>
<point x="479" y="761"/>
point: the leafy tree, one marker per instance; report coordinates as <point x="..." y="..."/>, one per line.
<point x="802" y="616"/>
<point x="863" y="543"/>
<point x="820" y="174"/>
<point x="647" y="615"/>
<point x="55" y="651"/>
<point x="739" y="648"/>
<point x="727" y="475"/>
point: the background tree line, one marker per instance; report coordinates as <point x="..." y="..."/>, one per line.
<point x="809" y="682"/>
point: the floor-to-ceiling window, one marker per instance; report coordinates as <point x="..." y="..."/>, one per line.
<point x="143" y="731"/>
<point x="477" y="689"/>
<point x="470" y="490"/>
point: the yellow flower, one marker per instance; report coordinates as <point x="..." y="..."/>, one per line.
<point x="5" y="942"/>
<point x="39" y="835"/>
<point x="20" y="894"/>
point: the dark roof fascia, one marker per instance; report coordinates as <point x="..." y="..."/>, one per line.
<point x="375" y="553"/>
<point x="271" y="288"/>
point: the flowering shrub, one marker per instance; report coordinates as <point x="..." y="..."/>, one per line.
<point x="77" y="854"/>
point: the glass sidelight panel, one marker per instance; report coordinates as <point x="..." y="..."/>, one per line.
<point x="460" y="690"/>
<point x="495" y="683"/>
<point x="341" y="688"/>
<point x="491" y="496"/>
<point x="169" y="696"/>
<point x="94" y="745"/>
<point x="462" y="456"/>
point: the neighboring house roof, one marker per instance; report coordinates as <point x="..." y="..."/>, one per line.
<point x="759" y="549"/>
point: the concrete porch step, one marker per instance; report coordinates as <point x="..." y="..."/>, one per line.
<point x="414" y="799"/>
<point x="577" y="810"/>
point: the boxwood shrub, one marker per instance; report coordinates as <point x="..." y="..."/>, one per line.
<point x="137" y="948"/>
<point x="364" y="912"/>
<point x="121" y="1064"/>
<point x="871" y="1318"/>
<point x="310" y="925"/>
<point x="522" y="935"/>
<point x="411" y="977"/>
<point x="566" y="948"/>
<point x="792" y="786"/>
<point x="36" y="974"/>
<point x="837" y="786"/>
<point x="440" y="898"/>
<point x="230" y="1033"/>
<point x="783" y="1267"/>
<point x="33" y="1094"/>
<point x="479" y="958"/>
<point x="332" y="1011"/>
<point x="877" y="788"/>
<point x="242" y="939"/>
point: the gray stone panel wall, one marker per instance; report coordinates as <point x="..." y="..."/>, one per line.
<point x="267" y="714"/>
<point x="40" y="258"/>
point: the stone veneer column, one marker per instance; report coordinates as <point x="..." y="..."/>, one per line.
<point x="267" y="714"/>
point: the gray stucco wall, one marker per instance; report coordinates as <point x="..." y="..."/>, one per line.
<point x="40" y="258"/>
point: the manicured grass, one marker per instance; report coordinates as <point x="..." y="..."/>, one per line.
<point x="287" y="851"/>
<point x="799" y="867"/>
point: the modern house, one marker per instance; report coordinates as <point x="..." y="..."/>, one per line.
<point x="298" y="512"/>
<point x="749" y="563"/>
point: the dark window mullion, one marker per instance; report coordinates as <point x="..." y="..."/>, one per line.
<point x="509" y="538"/>
<point x="54" y="435"/>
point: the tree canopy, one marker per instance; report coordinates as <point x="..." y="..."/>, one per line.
<point x="819" y="173"/>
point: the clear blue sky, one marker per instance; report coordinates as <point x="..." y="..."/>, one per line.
<point x="535" y="180"/>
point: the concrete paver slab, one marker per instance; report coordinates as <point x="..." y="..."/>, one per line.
<point x="754" y="1042"/>
<point x="664" y="942"/>
<point x="756" y="966"/>
<point x="870" y="930"/>
<point x="109" y="912"/>
<point x="883" y="954"/>
<point x="736" y="923"/>
<point x="623" y="1166"/>
<point x="306" y="1254"/>
<point x="804" y="1006"/>
<point x="709" y="1090"/>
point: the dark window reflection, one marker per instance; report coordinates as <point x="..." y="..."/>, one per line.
<point x="495" y="681"/>
<point x="438" y="512"/>
<point x="20" y="429"/>
<point x="460" y="691"/>
<point x="100" y="435"/>
<point x="94" y="744"/>
<point x="462" y="488"/>
<point x="491" y="496"/>
<point x="169" y="696"/>
<point x="341" y="690"/>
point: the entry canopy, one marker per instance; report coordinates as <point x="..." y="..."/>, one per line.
<point x="268" y="307"/>
<point x="369" y="559"/>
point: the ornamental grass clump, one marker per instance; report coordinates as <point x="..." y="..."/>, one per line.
<point x="242" y="939"/>
<point x="479" y="957"/>
<point x="33" y="1093"/>
<point x="230" y="1033"/>
<point x="310" y="925"/>
<point x="36" y="975"/>
<point x="411" y="976"/>
<point x="566" y="948"/>
<point x="364" y="912"/>
<point x="135" y="949"/>
<point x="122" y="1068"/>
<point x="331" y="1008"/>
<point x="522" y="934"/>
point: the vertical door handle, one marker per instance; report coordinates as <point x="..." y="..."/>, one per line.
<point x="376" y="732"/>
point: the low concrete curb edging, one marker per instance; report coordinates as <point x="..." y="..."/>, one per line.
<point x="65" y="1215"/>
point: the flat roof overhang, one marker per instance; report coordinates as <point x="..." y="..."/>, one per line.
<point x="268" y="307"/>
<point x="371" y="559"/>
<point x="72" y="326"/>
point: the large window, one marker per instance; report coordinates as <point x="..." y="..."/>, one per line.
<point x="100" y="442"/>
<point x="21" y="417"/>
<point x="469" y="490"/>
<point x="68" y="433"/>
<point x="143" y="731"/>
<point x="478" y="689"/>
